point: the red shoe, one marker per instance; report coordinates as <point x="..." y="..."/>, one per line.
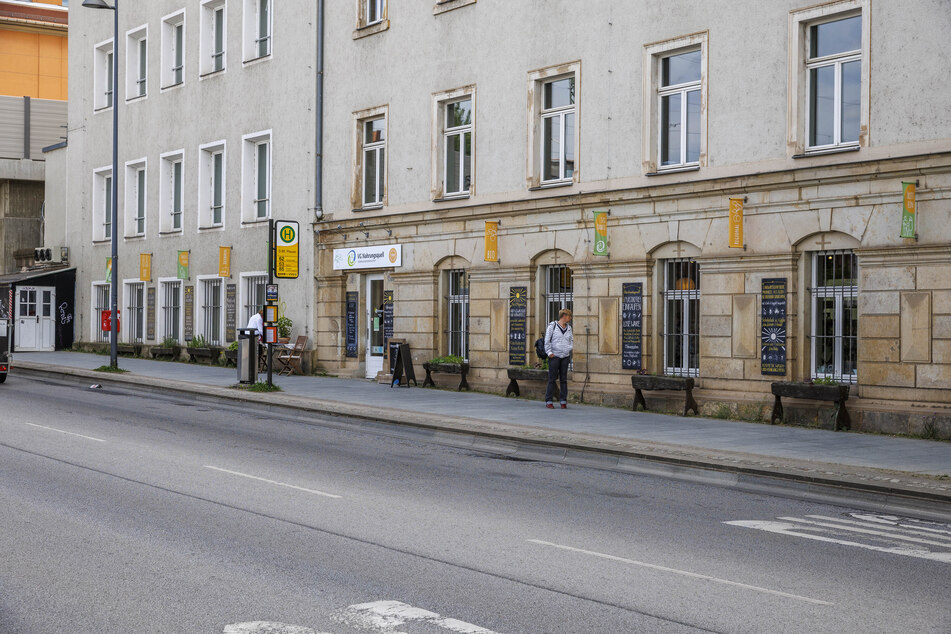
<point x="549" y="406"/>
<point x="564" y="406"/>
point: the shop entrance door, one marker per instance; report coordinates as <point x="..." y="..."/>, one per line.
<point x="374" y="295"/>
<point x="34" y="311"/>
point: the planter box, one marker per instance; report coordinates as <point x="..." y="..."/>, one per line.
<point x="203" y="355"/>
<point x="524" y="374"/>
<point x="231" y="357"/>
<point x="838" y="394"/>
<point x="642" y="382"/>
<point x="135" y="349"/>
<point x="172" y="353"/>
<point x="446" y="368"/>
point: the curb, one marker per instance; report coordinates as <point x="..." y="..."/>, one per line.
<point x="885" y="491"/>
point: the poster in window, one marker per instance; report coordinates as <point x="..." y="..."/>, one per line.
<point x="518" y="315"/>
<point x="773" y="318"/>
<point x="352" y="298"/>
<point x="632" y="319"/>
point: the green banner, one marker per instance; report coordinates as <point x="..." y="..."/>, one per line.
<point x="908" y="210"/>
<point x="109" y="270"/>
<point x="600" y="233"/>
<point x="183" y="265"/>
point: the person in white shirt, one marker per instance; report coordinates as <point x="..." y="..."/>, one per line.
<point x="257" y="322"/>
<point x="559" y="342"/>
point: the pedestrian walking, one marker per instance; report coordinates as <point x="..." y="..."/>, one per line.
<point x="559" y="342"/>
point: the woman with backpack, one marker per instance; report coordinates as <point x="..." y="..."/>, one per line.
<point x="559" y="342"/>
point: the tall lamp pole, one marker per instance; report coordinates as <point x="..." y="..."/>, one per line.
<point x="114" y="289"/>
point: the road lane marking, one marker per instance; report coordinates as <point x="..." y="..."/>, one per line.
<point x="895" y="532"/>
<point x="894" y="522"/>
<point x="267" y="627"/>
<point x="684" y="573"/>
<point x="68" y="433"/>
<point x="786" y="528"/>
<point x="386" y="616"/>
<point x="280" y="484"/>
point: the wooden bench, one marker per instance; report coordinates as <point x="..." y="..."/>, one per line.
<point x="838" y="394"/>
<point x="641" y="382"/>
<point x="525" y="374"/>
<point x="446" y="368"/>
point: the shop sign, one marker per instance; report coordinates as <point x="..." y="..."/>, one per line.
<point x="378" y="257"/>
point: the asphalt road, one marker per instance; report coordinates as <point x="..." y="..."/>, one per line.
<point x="135" y="513"/>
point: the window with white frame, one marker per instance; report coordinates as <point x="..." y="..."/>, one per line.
<point x="559" y="290"/>
<point x="675" y="91"/>
<point x="211" y="315"/>
<point x="679" y="94"/>
<point x="211" y="191"/>
<point x="681" y="334"/>
<point x="371" y="17"/>
<point x="256" y="185"/>
<point x="257" y="28"/>
<point x="101" y="292"/>
<point x="170" y="296"/>
<point x="558" y="129"/>
<point x="834" y="315"/>
<point x="213" y="36"/>
<point x="136" y="63"/>
<point x="457" y="147"/>
<point x="103" y="76"/>
<point x="828" y="76"/>
<point x="252" y="292"/>
<point x="133" y="321"/>
<point x="102" y="204"/>
<point x="171" y="191"/>
<point x="835" y="82"/>
<point x="374" y="11"/>
<point x="458" y="313"/>
<point x="173" y="49"/>
<point x="374" y="161"/>
<point x="135" y="198"/>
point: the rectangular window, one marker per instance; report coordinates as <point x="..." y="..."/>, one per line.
<point x="212" y="36"/>
<point x="218" y="50"/>
<point x="135" y="198"/>
<point x="103" y="76"/>
<point x="211" y="310"/>
<point x="171" y="297"/>
<point x="136" y="63"/>
<point x="558" y="130"/>
<point x="101" y="302"/>
<point x="681" y="333"/>
<point x="458" y="300"/>
<point x="257" y="177"/>
<point x="835" y="82"/>
<point x="679" y="94"/>
<point x="834" y="315"/>
<point x="258" y="21"/>
<point x="173" y="49"/>
<point x="374" y="11"/>
<point x="457" y="145"/>
<point x="211" y="194"/>
<point x="102" y="204"/>
<point x="172" y="191"/>
<point x="559" y="291"/>
<point x="253" y="294"/>
<point x="133" y="321"/>
<point x="374" y="161"/>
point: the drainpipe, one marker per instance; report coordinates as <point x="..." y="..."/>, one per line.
<point x="319" y="145"/>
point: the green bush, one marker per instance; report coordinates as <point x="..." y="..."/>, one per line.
<point x="169" y="342"/>
<point x="448" y="359"/>
<point x="198" y="342"/>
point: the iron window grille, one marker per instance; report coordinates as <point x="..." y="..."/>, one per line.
<point x="681" y="333"/>
<point x="172" y="309"/>
<point x="136" y="315"/>
<point x="458" y="300"/>
<point x="834" y="295"/>
<point x="211" y="310"/>
<point x="102" y="292"/>
<point x="254" y="295"/>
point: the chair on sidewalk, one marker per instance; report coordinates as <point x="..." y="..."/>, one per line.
<point x="290" y="358"/>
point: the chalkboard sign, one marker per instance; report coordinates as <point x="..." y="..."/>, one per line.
<point x="387" y="316"/>
<point x="189" y="313"/>
<point x="518" y="315"/>
<point x="401" y="365"/>
<point x="632" y="321"/>
<point x="231" y="306"/>
<point x="150" y="313"/>
<point x="352" y="297"/>
<point x="773" y="354"/>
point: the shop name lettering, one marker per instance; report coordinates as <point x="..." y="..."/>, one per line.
<point x="370" y="256"/>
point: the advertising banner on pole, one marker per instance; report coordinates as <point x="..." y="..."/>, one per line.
<point x="108" y="269"/>
<point x="224" y="261"/>
<point x="491" y="241"/>
<point x="183" y="265"/>
<point x="600" y="233"/>
<point x="908" y="210"/>
<point x="145" y="267"/>
<point x="736" y="223"/>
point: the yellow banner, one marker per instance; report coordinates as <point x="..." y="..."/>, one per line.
<point x="491" y="241"/>
<point x="224" y="261"/>
<point x="145" y="267"/>
<point x="736" y="223"/>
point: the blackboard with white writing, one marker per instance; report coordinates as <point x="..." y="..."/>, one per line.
<point x="632" y="320"/>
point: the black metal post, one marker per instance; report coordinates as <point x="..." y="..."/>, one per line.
<point x="270" y="280"/>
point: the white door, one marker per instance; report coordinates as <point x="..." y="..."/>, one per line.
<point x="47" y="328"/>
<point x="35" y="329"/>
<point x="374" y="307"/>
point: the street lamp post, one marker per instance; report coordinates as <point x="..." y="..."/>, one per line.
<point x="114" y="288"/>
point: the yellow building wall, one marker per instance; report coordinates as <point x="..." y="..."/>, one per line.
<point x="33" y="64"/>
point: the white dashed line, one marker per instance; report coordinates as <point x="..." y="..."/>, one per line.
<point x="280" y="484"/>
<point x="68" y="433"/>
<point x="684" y="573"/>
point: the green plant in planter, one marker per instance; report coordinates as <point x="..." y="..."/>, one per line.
<point x="198" y="342"/>
<point x="284" y="325"/>
<point x="448" y="359"/>
<point x="169" y="342"/>
<point x="824" y="381"/>
<point x="233" y="345"/>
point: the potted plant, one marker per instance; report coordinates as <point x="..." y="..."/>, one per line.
<point x="450" y="364"/>
<point x="168" y="349"/>
<point x="284" y="325"/>
<point x="201" y="351"/>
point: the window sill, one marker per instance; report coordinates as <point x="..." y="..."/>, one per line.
<point x="136" y="237"/>
<point x="675" y="170"/>
<point x="137" y="98"/>
<point x="211" y="73"/>
<point x="209" y="227"/>
<point x="444" y="6"/>
<point x="367" y="208"/>
<point x="371" y="29"/>
<point x="171" y="86"/>
<point x="172" y="232"/>
<point x="256" y="59"/>
<point x="102" y="241"/>
<point x="554" y="185"/>
<point x="445" y="199"/>
<point x="256" y="221"/>
<point x="101" y="109"/>
<point x="823" y="152"/>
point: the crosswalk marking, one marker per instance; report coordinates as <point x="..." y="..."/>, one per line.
<point x="881" y="533"/>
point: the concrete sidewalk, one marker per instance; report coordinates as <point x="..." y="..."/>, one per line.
<point x="885" y="465"/>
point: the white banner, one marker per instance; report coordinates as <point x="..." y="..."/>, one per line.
<point x="383" y="256"/>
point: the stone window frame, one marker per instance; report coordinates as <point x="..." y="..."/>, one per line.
<point x="165" y="284"/>
<point x="364" y="28"/>
<point x="360" y="118"/>
<point x="653" y="55"/>
<point x="840" y="294"/>
<point x="438" y="163"/>
<point x="536" y="83"/>
<point x="798" y="76"/>
<point x="202" y="284"/>
<point x="444" y="6"/>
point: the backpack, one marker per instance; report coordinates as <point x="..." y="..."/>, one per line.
<point x="540" y="348"/>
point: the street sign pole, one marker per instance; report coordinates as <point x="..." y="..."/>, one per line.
<point x="270" y="280"/>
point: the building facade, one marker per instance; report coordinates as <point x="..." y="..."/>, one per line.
<point x="535" y="116"/>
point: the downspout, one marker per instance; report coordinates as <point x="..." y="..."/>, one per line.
<point x="319" y="142"/>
